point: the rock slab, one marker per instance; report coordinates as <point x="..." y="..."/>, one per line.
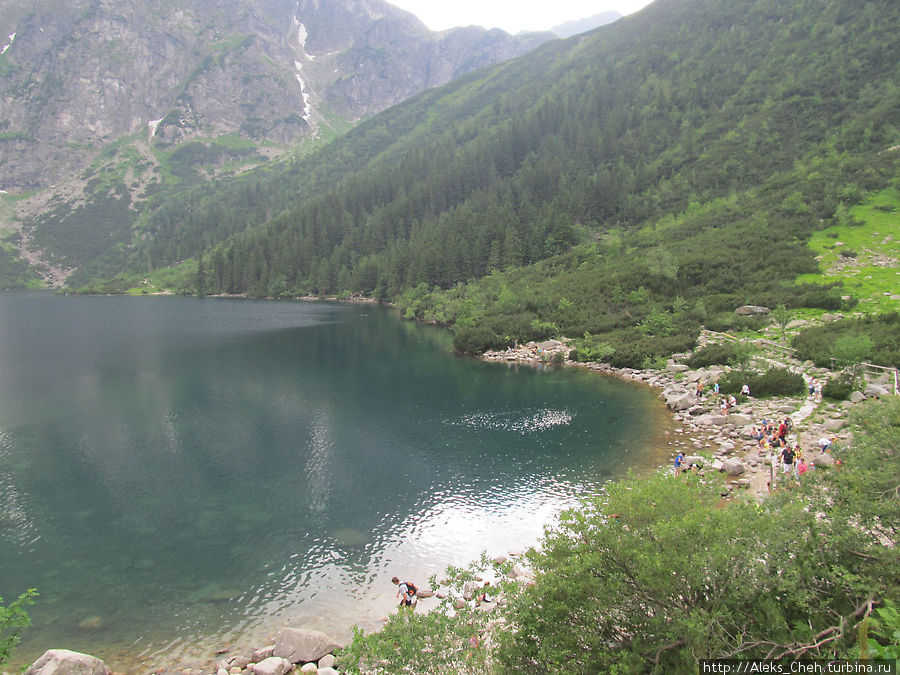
<point x="65" y="662"/>
<point x="273" y="665"/>
<point x="300" y="646"/>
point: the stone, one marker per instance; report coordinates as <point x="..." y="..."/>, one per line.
<point x="787" y="409"/>
<point x="751" y="310"/>
<point x="309" y="668"/>
<point x="274" y="665"/>
<point x="263" y="654"/>
<point x="834" y="425"/>
<point x="424" y="593"/>
<point x="500" y="559"/>
<point x="824" y="460"/>
<point x="740" y="419"/>
<point x="694" y="459"/>
<point x="328" y="671"/>
<point x="327" y="661"/>
<point x="857" y="397"/>
<point x="876" y="390"/>
<point x="222" y="671"/>
<point x="299" y="645"/>
<point x="677" y="368"/>
<point x="242" y="662"/>
<point x="717" y="465"/>
<point x="712" y="420"/>
<point x="66" y="662"/>
<point x="733" y="467"/>
<point x="684" y="402"/>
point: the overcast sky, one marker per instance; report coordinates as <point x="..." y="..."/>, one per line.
<point x="512" y="16"/>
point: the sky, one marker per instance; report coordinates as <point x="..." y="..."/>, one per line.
<point x="512" y="16"/>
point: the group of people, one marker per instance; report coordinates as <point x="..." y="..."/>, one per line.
<point x="726" y="402"/>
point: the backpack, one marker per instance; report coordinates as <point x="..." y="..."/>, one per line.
<point x="411" y="588"/>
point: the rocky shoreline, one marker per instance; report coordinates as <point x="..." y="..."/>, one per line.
<point x="715" y="441"/>
<point x="708" y="439"/>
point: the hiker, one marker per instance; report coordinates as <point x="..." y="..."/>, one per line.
<point x="484" y="596"/>
<point x="798" y="460"/>
<point x="787" y="458"/>
<point x="407" y="592"/>
<point x="825" y="444"/>
<point x="679" y="460"/>
<point x="745" y="389"/>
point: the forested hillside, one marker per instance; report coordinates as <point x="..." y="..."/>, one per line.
<point x="631" y="182"/>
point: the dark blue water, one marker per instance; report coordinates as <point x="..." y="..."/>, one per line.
<point x="179" y="474"/>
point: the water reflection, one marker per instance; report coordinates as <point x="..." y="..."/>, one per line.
<point x="175" y="468"/>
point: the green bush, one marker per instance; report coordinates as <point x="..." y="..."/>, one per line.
<point x="773" y="382"/>
<point x="476" y="340"/>
<point x="716" y="354"/>
<point x="838" y="388"/>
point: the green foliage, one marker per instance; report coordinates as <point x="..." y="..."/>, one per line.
<point x="590" y="349"/>
<point x="772" y="382"/>
<point x="451" y="638"/>
<point x="838" y="388"/>
<point x="879" y="635"/>
<point x="782" y="317"/>
<point x="476" y="340"/>
<point x="714" y="354"/>
<point x="13" y="618"/>
<point x="851" y="350"/>
<point x="817" y="343"/>
<point x="657" y="574"/>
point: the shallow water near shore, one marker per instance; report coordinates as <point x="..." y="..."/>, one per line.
<point x="179" y="475"/>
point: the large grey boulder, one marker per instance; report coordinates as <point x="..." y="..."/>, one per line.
<point x="733" y="467"/>
<point x="273" y="666"/>
<point x="857" y="397"/>
<point x="300" y="645"/>
<point x="751" y="310"/>
<point x="712" y="420"/>
<point x="739" y="418"/>
<point x="682" y="402"/>
<point x="834" y="425"/>
<point x="65" y="662"/>
<point x="824" y="460"/>
<point x="877" y="390"/>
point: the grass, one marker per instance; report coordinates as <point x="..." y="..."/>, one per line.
<point x="874" y="235"/>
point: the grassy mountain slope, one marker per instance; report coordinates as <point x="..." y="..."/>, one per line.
<point x="665" y="169"/>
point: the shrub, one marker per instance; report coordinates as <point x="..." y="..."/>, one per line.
<point x="773" y="382"/>
<point x="715" y="354"/>
<point x="838" y="388"/>
<point x="476" y="340"/>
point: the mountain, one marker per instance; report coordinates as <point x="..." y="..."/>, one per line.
<point x="570" y="28"/>
<point x="629" y="183"/>
<point x="195" y="89"/>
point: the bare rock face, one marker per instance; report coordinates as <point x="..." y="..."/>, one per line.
<point x="65" y="662"/>
<point x="82" y="74"/>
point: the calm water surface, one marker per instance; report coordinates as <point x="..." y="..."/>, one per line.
<point x="179" y="474"/>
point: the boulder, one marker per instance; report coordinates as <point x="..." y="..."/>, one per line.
<point x="694" y="459"/>
<point x="685" y="402"/>
<point x="737" y="418"/>
<point x="834" y="425"/>
<point x="876" y="390"/>
<point x="824" y="460"/>
<point x="733" y="467"/>
<point x="299" y="645"/>
<point x="328" y="671"/>
<point x="857" y="397"/>
<point x="751" y="310"/>
<point x="309" y="668"/>
<point x="65" y="662"/>
<point x="677" y="368"/>
<point x="326" y="661"/>
<point x="712" y="420"/>
<point x="273" y="665"/>
<point x="424" y="593"/>
<point x="263" y="654"/>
